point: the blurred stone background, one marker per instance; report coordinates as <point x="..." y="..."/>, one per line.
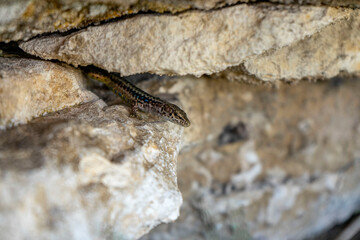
<point x="272" y="91"/>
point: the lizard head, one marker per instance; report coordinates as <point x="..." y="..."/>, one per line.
<point x="175" y="115"/>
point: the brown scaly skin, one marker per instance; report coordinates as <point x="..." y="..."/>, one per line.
<point x="138" y="99"/>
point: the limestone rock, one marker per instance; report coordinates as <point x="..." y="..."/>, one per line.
<point x="193" y="42"/>
<point x="338" y="3"/>
<point x="88" y="172"/>
<point x="30" y="88"/>
<point x="24" y="19"/>
<point x="254" y="164"/>
<point x="270" y="161"/>
<point x="327" y="53"/>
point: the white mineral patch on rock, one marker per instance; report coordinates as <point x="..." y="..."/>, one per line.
<point x="251" y="166"/>
<point x="283" y="199"/>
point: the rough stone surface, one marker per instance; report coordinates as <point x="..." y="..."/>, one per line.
<point x="261" y="161"/>
<point x="193" y="42"/>
<point x="88" y="172"/>
<point x="333" y="50"/>
<point x="271" y="163"/>
<point x="334" y="3"/>
<point x="23" y="19"/>
<point x="30" y="88"/>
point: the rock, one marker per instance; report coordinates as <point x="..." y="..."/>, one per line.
<point x="88" y="172"/>
<point x="333" y="50"/>
<point x="30" y="88"/>
<point x="262" y="161"/>
<point x="339" y="3"/>
<point x="254" y="164"/>
<point x="193" y="42"/>
<point x="24" y="19"/>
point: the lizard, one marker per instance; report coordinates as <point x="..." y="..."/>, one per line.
<point x="138" y="99"/>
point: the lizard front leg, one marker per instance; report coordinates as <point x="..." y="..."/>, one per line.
<point x="133" y="110"/>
